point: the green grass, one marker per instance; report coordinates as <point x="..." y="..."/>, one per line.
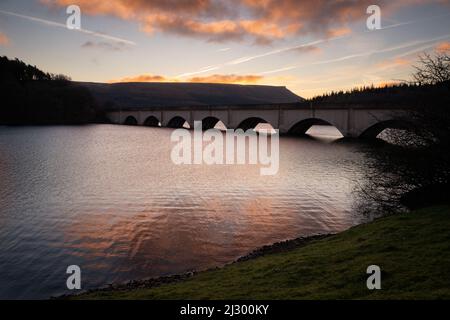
<point x="413" y="251"/>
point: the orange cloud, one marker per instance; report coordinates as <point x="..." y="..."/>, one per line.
<point x="338" y="32"/>
<point x="443" y="47"/>
<point x="142" y="78"/>
<point x="216" y="78"/>
<point x="228" y="78"/>
<point x="262" y="21"/>
<point x="391" y="63"/>
<point x="4" y="40"/>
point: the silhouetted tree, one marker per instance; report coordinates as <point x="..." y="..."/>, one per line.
<point x="31" y="96"/>
<point x="416" y="171"/>
<point x="433" y="69"/>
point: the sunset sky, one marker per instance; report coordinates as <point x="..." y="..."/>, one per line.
<point x="310" y="47"/>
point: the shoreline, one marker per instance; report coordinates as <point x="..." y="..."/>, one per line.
<point x="410" y="248"/>
<point x="276" y="247"/>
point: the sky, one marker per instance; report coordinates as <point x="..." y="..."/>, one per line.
<point x="310" y="47"/>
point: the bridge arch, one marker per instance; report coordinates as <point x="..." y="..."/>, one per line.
<point x="130" y="121"/>
<point x="251" y="123"/>
<point x="210" y="122"/>
<point x="373" y="131"/>
<point x="177" y="122"/>
<point x="301" y="127"/>
<point x="151" y="121"/>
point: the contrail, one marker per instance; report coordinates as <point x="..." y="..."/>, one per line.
<point x="61" y="25"/>
<point x="420" y="49"/>
<point x="262" y="55"/>
<point x="372" y="52"/>
<point x="305" y="45"/>
<point x="277" y="70"/>
<point x="400" y="24"/>
<point x="389" y="49"/>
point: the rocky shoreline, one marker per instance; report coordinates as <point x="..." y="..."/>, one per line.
<point x="276" y="247"/>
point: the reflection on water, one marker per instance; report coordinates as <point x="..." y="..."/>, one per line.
<point x="108" y="198"/>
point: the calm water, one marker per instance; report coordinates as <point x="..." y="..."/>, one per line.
<point x="108" y="198"/>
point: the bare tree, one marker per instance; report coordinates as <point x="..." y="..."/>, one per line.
<point x="418" y="169"/>
<point x="432" y="112"/>
<point x="433" y="69"/>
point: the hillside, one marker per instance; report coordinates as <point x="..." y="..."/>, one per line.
<point x="135" y="95"/>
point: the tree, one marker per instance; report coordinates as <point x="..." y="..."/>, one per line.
<point x="32" y="96"/>
<point x="433" y="69"/>
<point x="416" y="171"/>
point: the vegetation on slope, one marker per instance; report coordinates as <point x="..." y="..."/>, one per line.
<point x="31" y="96"/>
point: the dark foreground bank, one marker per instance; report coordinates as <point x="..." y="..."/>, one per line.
<point x="412" y="250"/>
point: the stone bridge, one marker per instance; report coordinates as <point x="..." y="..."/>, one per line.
<point x="292" y="118"/>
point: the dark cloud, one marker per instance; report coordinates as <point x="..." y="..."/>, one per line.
<point x="103" y="45"/>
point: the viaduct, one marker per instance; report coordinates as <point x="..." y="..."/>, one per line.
<point x="354" y="121"/>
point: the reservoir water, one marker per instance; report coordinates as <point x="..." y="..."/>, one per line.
<point x="109" y="199"/>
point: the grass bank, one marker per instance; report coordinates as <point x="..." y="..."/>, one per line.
<point x="412" y="250"/>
